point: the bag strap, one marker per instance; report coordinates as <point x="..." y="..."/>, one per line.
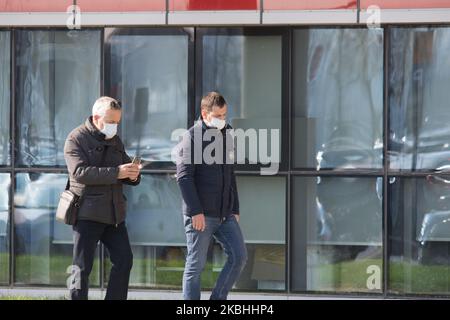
<point x="101" y="164"/>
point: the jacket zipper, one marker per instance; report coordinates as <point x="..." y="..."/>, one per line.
<point x="222" y="218"/>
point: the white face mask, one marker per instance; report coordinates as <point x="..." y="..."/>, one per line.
<point x="218" y="123"/>
<point x="109" y="130"/>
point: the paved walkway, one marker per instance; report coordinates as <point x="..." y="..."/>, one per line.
<point x="59" y="293"/>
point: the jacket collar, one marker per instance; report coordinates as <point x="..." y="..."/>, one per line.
<point x="97" y="134"/>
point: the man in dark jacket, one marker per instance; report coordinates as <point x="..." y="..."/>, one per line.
<point x="210" y="199"/>
<point x="98" y="167"/>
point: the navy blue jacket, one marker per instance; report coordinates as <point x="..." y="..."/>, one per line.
<point x="206" y="188"/>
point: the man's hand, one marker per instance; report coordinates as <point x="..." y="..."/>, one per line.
<point x="129" y="170"/>
<point x="237" y="217"/>
<point x="198" y="222"/>
<point x="133" y="177"/>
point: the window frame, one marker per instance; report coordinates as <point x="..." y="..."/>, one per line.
<point x="163" y="166"/>
<point x="15" y="93"/>
<point x="285" y="100"/>
<point x="321" y="171"/>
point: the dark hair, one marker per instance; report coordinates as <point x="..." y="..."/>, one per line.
<point x="212" y="99"/>
<point x="116" y="104"/>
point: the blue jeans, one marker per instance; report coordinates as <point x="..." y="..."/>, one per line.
<point x="229" y="235"/>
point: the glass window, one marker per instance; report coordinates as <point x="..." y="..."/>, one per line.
<point x="43" y="246"/>
<point x="238" y="67"/>
<point x="155" y="227"/>
<point x="149" y="74"/>
<point x="4" y="227"/>
<point x="57" y="82"/>
<point x="5" y="81"/>
<point x="262" y="205"/>
<point x="337" y="234"/>
<point x="156" y="230"/>
<point x="263" y="226"/>
<point x="419" y="235"/>
<point x="419" y="78"/>
<point x="338" y="98"/>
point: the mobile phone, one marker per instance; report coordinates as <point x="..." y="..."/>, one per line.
<point x="137" y="160"/>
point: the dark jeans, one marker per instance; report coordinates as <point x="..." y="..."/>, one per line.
<point x="86" y="235"/>
<point x="229" y="235"/>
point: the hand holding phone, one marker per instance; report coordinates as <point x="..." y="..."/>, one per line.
<point x="137" y="160"/>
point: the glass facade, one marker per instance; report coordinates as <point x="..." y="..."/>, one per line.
<point x="234" y="63"/>
<point x="57" y="82"/>
<point x="149" y="74"/>
<point x="359" y="204"/>
<point x="5" y="181"/>
<point x="418" y="141"/>
<point x="5" y="81"/>
<point x="155" y="226"/>
<point x="338" y="99"/>
<point x="338" y="233"/>
<point x="5" y="154"/>
<point x="419" y="235"/>
<point x="42" y="246"/>
<point x="418" y="98"/>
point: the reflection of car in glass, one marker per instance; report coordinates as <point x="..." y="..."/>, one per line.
<point x="151" y="149"/>
<point x="435" y="227"/>
<point x="426" y="146"/>
<point x="433" y="232"/>
<point x="348" y="209"/>
<point x="350" y="147"/>
<point x="154" y="212"/>
<point x="34" y="213"/>
<point x="432" y="149"/>
<point x="45" y="151"/>
<point x="342" y="201"/>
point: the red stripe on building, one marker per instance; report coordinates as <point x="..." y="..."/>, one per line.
<point x="406" y="4"/>
<point x="34" y="5"/>
<point x="121" y="5"/>
<point x="309" y="4"/>
<point x="183" y="5"/>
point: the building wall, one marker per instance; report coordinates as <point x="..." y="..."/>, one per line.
<point x="219" y="12"/>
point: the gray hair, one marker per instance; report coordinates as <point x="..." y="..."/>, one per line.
<point x="105" y="103"/>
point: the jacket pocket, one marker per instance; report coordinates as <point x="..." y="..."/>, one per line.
<point x="94" y="205"/>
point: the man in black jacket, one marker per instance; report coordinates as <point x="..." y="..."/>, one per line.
<point x="98" y="167"/>
<point x="210" y="199"/>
